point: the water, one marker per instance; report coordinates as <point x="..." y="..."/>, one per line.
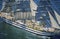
<point x="9" y="32"/>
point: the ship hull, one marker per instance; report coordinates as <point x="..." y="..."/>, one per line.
<point x="21" y="26"/>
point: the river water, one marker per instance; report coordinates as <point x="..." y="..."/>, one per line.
<point x="10" y="32"/>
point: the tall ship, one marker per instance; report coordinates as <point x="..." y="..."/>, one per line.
<point x="40" y="18"/>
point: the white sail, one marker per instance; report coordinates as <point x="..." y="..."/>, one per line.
<point x="33" y="6"/>
<point x="57" y="16"/>
<point x="53" y="22"/>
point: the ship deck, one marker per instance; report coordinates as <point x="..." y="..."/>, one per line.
<point x="22" y="26"/>
<point x="36" y="29"/>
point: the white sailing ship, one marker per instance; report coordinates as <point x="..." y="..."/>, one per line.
<point x="23" y="17"/>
